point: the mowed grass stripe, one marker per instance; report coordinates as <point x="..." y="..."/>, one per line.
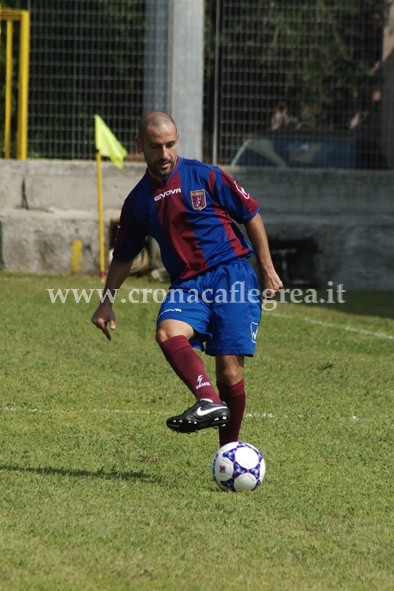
<point x="123" y="411"/>
<point x="361" y="331"/>
<point x="97" y="494"/>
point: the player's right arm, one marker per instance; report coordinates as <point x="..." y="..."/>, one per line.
<point x="104" y="314"/>
<point x="130" y="240"/>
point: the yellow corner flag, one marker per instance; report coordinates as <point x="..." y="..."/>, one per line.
<point x="107" y="143"/>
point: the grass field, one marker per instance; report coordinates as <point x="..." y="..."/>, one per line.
<point x="97" y="494"/>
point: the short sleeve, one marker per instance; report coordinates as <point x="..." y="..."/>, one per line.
<point x="130" y="237"/>
<point x="235" y="200"/>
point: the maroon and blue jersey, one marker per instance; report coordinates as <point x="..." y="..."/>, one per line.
<point x="191" y="215"/>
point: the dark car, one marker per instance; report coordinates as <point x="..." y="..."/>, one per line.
<point x="298" y="151"/>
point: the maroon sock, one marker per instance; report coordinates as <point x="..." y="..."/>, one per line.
<point x="188" y="365"/>
<point x="234" y="397"/>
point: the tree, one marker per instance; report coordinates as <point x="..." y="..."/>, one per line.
<point x="323" y="53"/>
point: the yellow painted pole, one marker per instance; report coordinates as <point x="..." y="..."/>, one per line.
<point x="76" y="256"/>
<point x="100" y="215"/>
<point x="8" y="90"/>
<point x="24" y="50"/>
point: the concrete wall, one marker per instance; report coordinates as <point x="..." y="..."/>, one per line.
<point x="45" y="206"/>
<point x="348" y="215"/>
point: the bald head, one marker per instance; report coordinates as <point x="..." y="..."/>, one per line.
<point x="157" y="138"/>
<point x="154" y="120"/>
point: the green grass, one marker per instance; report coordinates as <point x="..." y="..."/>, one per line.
<point x="97" y="494"/>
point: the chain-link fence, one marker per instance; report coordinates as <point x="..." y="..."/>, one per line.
<point x="86" y="57"/>
<point x="300" y="81"/>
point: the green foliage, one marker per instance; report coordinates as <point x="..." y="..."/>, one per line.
<point x="323" y="54"/>
<point x="309" y="51"/>
<point x="97" y="494"/>
<point x="89" y="51"/>
<point x="23" y="4"/>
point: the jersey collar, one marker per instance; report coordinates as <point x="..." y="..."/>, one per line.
<point x="164" y="183"/>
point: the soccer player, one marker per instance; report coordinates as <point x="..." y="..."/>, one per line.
<point x="214" y="303"/>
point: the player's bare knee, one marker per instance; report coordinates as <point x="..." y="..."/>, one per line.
<point x="230" y="375"/>
<point x="161" y="336"/>
<point x="173" y="328"/>
<point x="229" y="369"/>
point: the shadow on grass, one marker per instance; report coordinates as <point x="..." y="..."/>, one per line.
<point x="366" y="303"/>
<point x="138" y="475"/>
<point x="363" y="303"/>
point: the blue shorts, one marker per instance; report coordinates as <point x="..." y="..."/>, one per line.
<point x="223" y="305"/>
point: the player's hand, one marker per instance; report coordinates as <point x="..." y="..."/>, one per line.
<point x="271" y="283"/>
<point x="102" y="318"/>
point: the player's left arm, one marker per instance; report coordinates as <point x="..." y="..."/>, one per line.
<point x="270" y="281"/>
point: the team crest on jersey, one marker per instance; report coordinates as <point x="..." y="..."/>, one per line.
<point x="199" y="200"/>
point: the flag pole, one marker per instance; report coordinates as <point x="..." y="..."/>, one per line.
<point x="106" y="145"/>
<point x="100" y="215"/>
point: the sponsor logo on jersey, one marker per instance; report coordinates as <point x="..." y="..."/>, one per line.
<point x="241" y="190"/>
<point x="199" y="199"/>
<point x="166" y="194"/>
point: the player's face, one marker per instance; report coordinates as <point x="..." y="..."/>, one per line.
<point x="159" y="146"/>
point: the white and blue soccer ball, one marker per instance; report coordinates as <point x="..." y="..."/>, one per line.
<point x="238" y="466"/>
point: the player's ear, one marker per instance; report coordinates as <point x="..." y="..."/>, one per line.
<point x="138" y="143"/>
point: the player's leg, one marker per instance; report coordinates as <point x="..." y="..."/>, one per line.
<point x="173" y="337"/>
<point x="229" y="369"/>
<point x="235" y="323"/>
<point x="230" y="383"/>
